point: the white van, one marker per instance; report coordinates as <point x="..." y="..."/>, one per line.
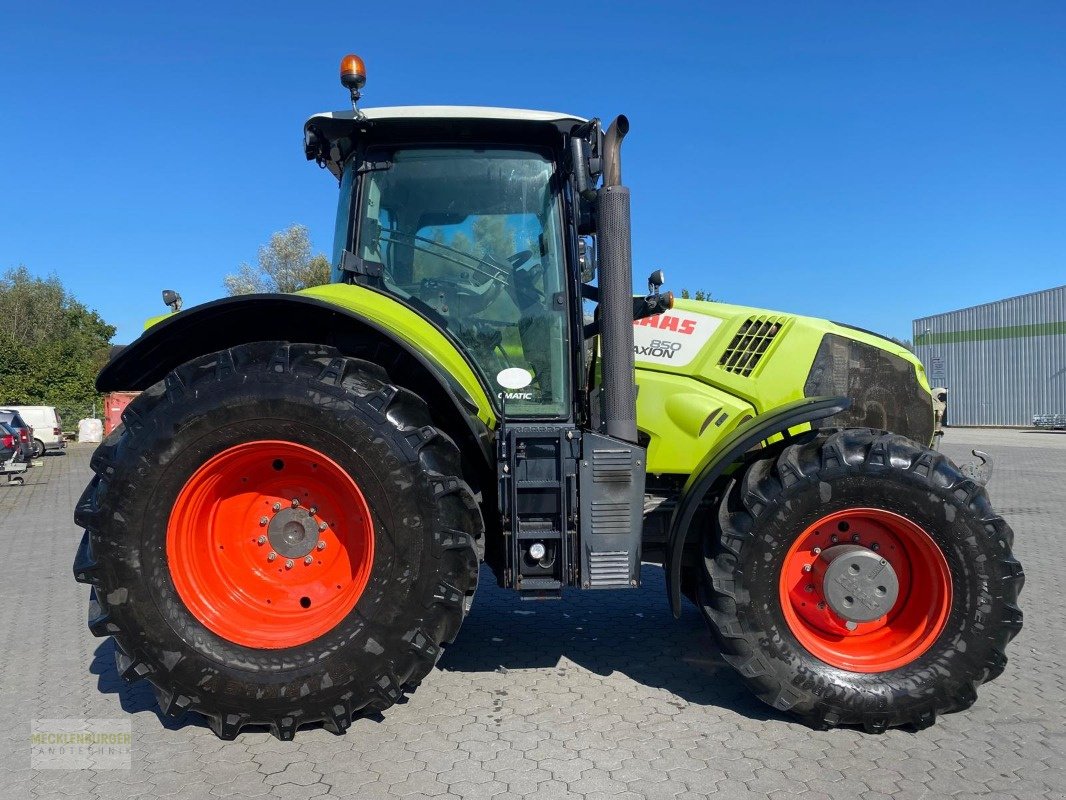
<point x="47" y="427"/>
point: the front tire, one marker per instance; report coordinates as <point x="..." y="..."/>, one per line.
<point x="807" y="637"/>
<point x="204" y="503"/>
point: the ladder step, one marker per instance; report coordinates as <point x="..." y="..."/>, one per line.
<point x="539" y="583"/>
<point x="545" y="533"/>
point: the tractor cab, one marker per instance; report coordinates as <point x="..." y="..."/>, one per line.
<point x="476" y="220"/>
<point x="462" y="214"/>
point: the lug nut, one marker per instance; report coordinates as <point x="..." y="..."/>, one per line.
<point x="263" y="521"/>
<point x="854" y="537"/>
<point x="817" y="551"/>
<point x="809" y="587"/>
<point x="296" y="502"/>
<point x="875" y="547"/>
<point x="261" y="540"/>
<point x="288" y="564"/>
<point x="322" y="526"/>
<point x="312" y="510"/>
<point x="271" y="555"/>
<point x="821" y="606"/>
<point x="850" y="625"/>
<point x="807" y="567"/>
<point x="308" y="560"/>
<point x="276" y="506"/>
<point x="834" y="539"/>
<point x="321" y="545"/>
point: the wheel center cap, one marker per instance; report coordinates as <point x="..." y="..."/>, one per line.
<point x="857" y="583"/>
<point x="293" y="533"/>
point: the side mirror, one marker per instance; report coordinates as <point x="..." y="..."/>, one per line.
<point x="586" y="260"/>
<point x="655" y="280"/>
<point x="172" y="299"/>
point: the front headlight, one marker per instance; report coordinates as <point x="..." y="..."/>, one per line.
<point x="884" y="388"/>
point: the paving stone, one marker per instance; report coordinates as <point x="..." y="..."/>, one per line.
<point x="604" y="694"/>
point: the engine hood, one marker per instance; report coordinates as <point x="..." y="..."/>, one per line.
<point x="770" y="358"/>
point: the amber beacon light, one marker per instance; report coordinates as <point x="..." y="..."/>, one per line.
<point x="353" y="77"/>
<point x="353" y="72"/>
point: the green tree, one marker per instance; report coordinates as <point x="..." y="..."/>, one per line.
<point x="489" y="237"/>
<point x="51" y="345"/>
<point x="494" y="237"/>
<point x="285" y="264"/>
<point x="701" y="295"/>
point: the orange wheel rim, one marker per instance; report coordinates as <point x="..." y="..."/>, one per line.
<point x="909" y="627"/>
<point x="270" y="544"/>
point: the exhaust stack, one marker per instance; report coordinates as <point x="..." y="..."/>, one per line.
<point x="619" y="392"/>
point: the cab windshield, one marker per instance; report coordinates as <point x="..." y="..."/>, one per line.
<point x="472" y="237"/>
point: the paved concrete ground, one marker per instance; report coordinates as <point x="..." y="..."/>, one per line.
<point x="602" y="695"/>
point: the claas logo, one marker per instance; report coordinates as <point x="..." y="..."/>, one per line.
<point x="665" y="322"/>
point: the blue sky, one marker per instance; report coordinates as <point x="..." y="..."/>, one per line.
<point x="867" y="162"/>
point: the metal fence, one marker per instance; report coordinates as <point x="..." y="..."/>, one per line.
<point x="1003" y="363"/>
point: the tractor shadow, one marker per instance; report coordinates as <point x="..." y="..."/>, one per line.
<point x="135" y="698"/>
<point x="631" y="632"/>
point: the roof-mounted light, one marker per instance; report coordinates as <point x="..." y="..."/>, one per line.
<point x="353" y="77"/>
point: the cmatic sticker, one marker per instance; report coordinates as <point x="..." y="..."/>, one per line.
<point x="672" y="338"/>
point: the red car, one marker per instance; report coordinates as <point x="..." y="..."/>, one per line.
<point x="9" y="443"/>
<point x="24" y="432"/>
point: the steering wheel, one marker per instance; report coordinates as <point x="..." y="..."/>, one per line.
<point x="519" y="258"/>
<point x="526" y="292"/>
<point x="469" y="298"/>
<point x="474" y="297"/>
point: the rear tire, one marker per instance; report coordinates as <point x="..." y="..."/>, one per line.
<point x="945" y="643"/>
<point x="38" y="448"/>
<point x="307" y="400"/>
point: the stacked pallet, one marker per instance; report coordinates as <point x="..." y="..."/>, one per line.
<point x="1050" y="421"/>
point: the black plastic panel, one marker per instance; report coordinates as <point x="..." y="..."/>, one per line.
<point x="883" y="388"/>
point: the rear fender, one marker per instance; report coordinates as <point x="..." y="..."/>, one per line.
<point x="717" y="462"/>
<point x="456" y="397"/>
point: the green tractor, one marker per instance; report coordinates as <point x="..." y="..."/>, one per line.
<point x="288" y="526"/>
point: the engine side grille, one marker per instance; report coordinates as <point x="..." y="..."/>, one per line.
<point x="609" y="570"/>
<point x="750" y="344"/>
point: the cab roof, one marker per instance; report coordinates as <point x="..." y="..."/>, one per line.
<point x="453" y="112"/>
<point x="323" y="132"/>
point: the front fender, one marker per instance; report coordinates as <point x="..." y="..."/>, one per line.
<point x="714" y="465"/>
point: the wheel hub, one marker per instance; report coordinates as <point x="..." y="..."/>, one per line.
<point x="293" y="533"/>
<point x="270" y="544"/>
<point x="865" y="589"/>
<point x="857" y="583"/>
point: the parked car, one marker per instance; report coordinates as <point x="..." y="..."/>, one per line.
<point x="9" y="443"/>
<point x="23" y="429"/>
<point x="47" y="427"/>
<point x="12" y="463"/>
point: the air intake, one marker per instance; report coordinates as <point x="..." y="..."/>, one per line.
<point x="750" y="344"/>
